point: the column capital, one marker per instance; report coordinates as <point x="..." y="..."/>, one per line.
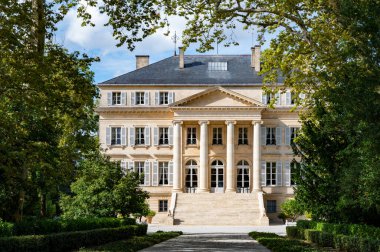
<point x="230" y="122"/>
<point x="257" y="121"/>
<point x="177" y="122"/>
<point x="203" y="122"/>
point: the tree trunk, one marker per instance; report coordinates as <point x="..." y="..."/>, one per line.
<point x="43" y="204"/>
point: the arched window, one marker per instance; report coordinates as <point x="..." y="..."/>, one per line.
<point x="242" y="179"/>
<point x="217" y="176"/>
<point x="191" y="181"/>
<point x="216" y="162"/>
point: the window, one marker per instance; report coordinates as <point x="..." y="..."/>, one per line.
<point x="164" y="98"/>
<point x="140" y="136"/>
<point x="140" y="98"/>
<point x="271" y="136"/>
<point x="163" y="173"/>
<point x="293" y="134"/>
<point x="270" y="97"/>
<point x="115" y="136"/>
<point x="217" y="66"/>
<point x="191" y="136"/>
<point x="292" y="98"/>
<point x="191" y="181"/>
<point x="271" y="173"/>
<point x="139" y="168"/>
<point x="294" y="166"/>
<point x="163" y="136"/>
<point x="271" y="206"/>
<point x="116" y="98"/>
<point x="163" y="205"/>
<point x="243" y="136"/>
<point x="243" y="176"/>
<point x="217" y="136"/>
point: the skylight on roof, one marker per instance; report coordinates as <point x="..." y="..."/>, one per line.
<point x="217" y="66"/>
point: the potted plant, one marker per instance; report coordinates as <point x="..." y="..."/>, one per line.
<point x="150" y="216"/>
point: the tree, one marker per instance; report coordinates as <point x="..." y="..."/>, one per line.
<point x="291" y="209"/>
<point x="102" y="190"/>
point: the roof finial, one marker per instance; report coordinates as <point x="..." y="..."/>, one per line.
<point x="174" y="38"/>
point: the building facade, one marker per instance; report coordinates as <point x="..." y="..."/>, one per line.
<point x="200" y="132"/>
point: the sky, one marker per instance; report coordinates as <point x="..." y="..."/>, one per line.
<point x="98" y="42"/>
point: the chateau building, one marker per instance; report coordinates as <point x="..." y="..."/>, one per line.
<point x="199" y="130"/>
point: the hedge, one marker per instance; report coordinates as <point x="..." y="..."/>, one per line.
<point x="48" y="226"/>
<point x="67" y="241"/>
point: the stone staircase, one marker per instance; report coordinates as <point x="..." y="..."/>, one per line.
<point x="238" y="209"/>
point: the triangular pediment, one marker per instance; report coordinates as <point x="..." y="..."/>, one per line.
<point x="217" y="97"/>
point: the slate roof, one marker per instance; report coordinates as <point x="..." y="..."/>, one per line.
<point x="166" y="72"/>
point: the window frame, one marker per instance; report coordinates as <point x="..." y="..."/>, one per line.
<point x="115" y="136"/>
<point x="270" y="136"/>
<point x="271" y="206"/>
<point x="293" y="134"/>
<point x="163" y="173"/>
<point x="116" y="98"/>
<point x="271" y="174"/>
<point x="139" y="167"/>
<point x="163" y="205"/>
<point x="217" y="136"/>
<point x="242" y="136"/>
<point x="140" y="98"/>
<point x="243" y="166"/>
<point x="163" y="135"/>
<point x="162" y="97"/>
<point x="191" y="136"/>
<point x="139" y="135"/>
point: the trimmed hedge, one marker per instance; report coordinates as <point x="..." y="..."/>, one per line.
<point x="48" y="226"/>
<point x="69" y="240"/>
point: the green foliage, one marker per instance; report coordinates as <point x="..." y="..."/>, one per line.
<point x="69" y="240"/>
<point x="292" y="232"/>
<point x="6" y="228"/>
<point x="291" y="209"/>
<point x="102" y="190"/>
<point x="135" y="243"/>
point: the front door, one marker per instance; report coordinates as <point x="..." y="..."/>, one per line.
<point x="217" y="180"/>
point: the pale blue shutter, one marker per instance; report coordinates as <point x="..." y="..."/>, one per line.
<point x="109" y="98"/>
<point x="133" y="98"/>
<point x="170" y="135"/>
<point x="278" y="136"/>
<point x="288" y="98"/>
<point x="123" y="98"/>
<point x="278" y="98"/>
<point x="147" y="136"/>
<point x="263" y="173"/>
<point x="287" y="135"/>
<point x="155" y="173"/>
<point x="155" y="136"/>
<point x="171" y="173"/>
<point x="157" y="98"/>
<point x="279" y="173"/>
<point x="287" y="173"/>
<point x="263" y="136"/>
<point x="264" y="98"/>
<point x="124" y="136"/>
<point x="146" y="98"/>
<point x="132" y="136"/>
<point x="171" y="97"/>
<point x="147" y="173"/>
<point x="108" y="136"/>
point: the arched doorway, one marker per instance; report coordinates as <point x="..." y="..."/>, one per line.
<point x="191" y="180"/>
<point x="242" y="179"/>
<point x="217" y="176"/>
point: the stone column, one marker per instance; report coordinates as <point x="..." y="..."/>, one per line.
<point x="256" y="155"/>
<point x="203" y="159"/>
<point x="230" y="160"/>
<point x="177" y="167"/>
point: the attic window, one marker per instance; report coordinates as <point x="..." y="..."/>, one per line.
<point x="217" y="66"/>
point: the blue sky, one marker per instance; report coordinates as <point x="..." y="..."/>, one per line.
<point x="98" y="42"/>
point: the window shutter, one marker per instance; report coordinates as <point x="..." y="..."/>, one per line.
<point x="278" y="136"/>
<point x="171" y="173"/>
<point x="264" y="98"/>
<point x="157" y="98"/>
<point x="155" y="136"/>
<point x="287" y="135"/>
<point x="170" y="135"/>
<point x="288" y="98"/>
<point x="123" y="98"/>
<point x="155" y="173"/>
<point x="109" y="98"/>
<point x="146" y="98"/>
<point x="123" y="166"/>
<point x="131" y="166"/>
<point x="147" y="136"/>
<point x="263" y="173"/>
<point x="171" y="97"/>
<point x="133" y="98"/>
<point x="147" y="173"/>
<point x="124" y="136"/>
<point x="132" y="136"/>
<point x="279" y="173"/>
<point x="287" y="173"/>
<point x="263" y="136"/>
<point x="108" y="136"/>
<point x="278" y="98"/>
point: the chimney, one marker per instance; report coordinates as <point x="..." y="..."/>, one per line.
<point x="257" y="58"/>
<point x="181" y="58"/>
<point x="142" y="61"/>
<point x="252" y="57"/>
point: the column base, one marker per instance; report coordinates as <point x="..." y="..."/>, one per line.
<point x="202" y="191"/>
<point x="177" y="190"/>
<point x="230" y="191"/>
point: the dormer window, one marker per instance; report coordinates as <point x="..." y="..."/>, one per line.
<point x="217" y="66"/>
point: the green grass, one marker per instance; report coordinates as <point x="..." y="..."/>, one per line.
<point x="135" y="243"/>
<point x="278" y="243"/>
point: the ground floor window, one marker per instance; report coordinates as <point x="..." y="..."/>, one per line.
<point x="191" y="175"/>
<point x="163" y="173"/>
<point x="242" y="176"/>
<point x="271" y="206"/>
<point x="163" y="205"/>
<point x="217" y="174"/>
